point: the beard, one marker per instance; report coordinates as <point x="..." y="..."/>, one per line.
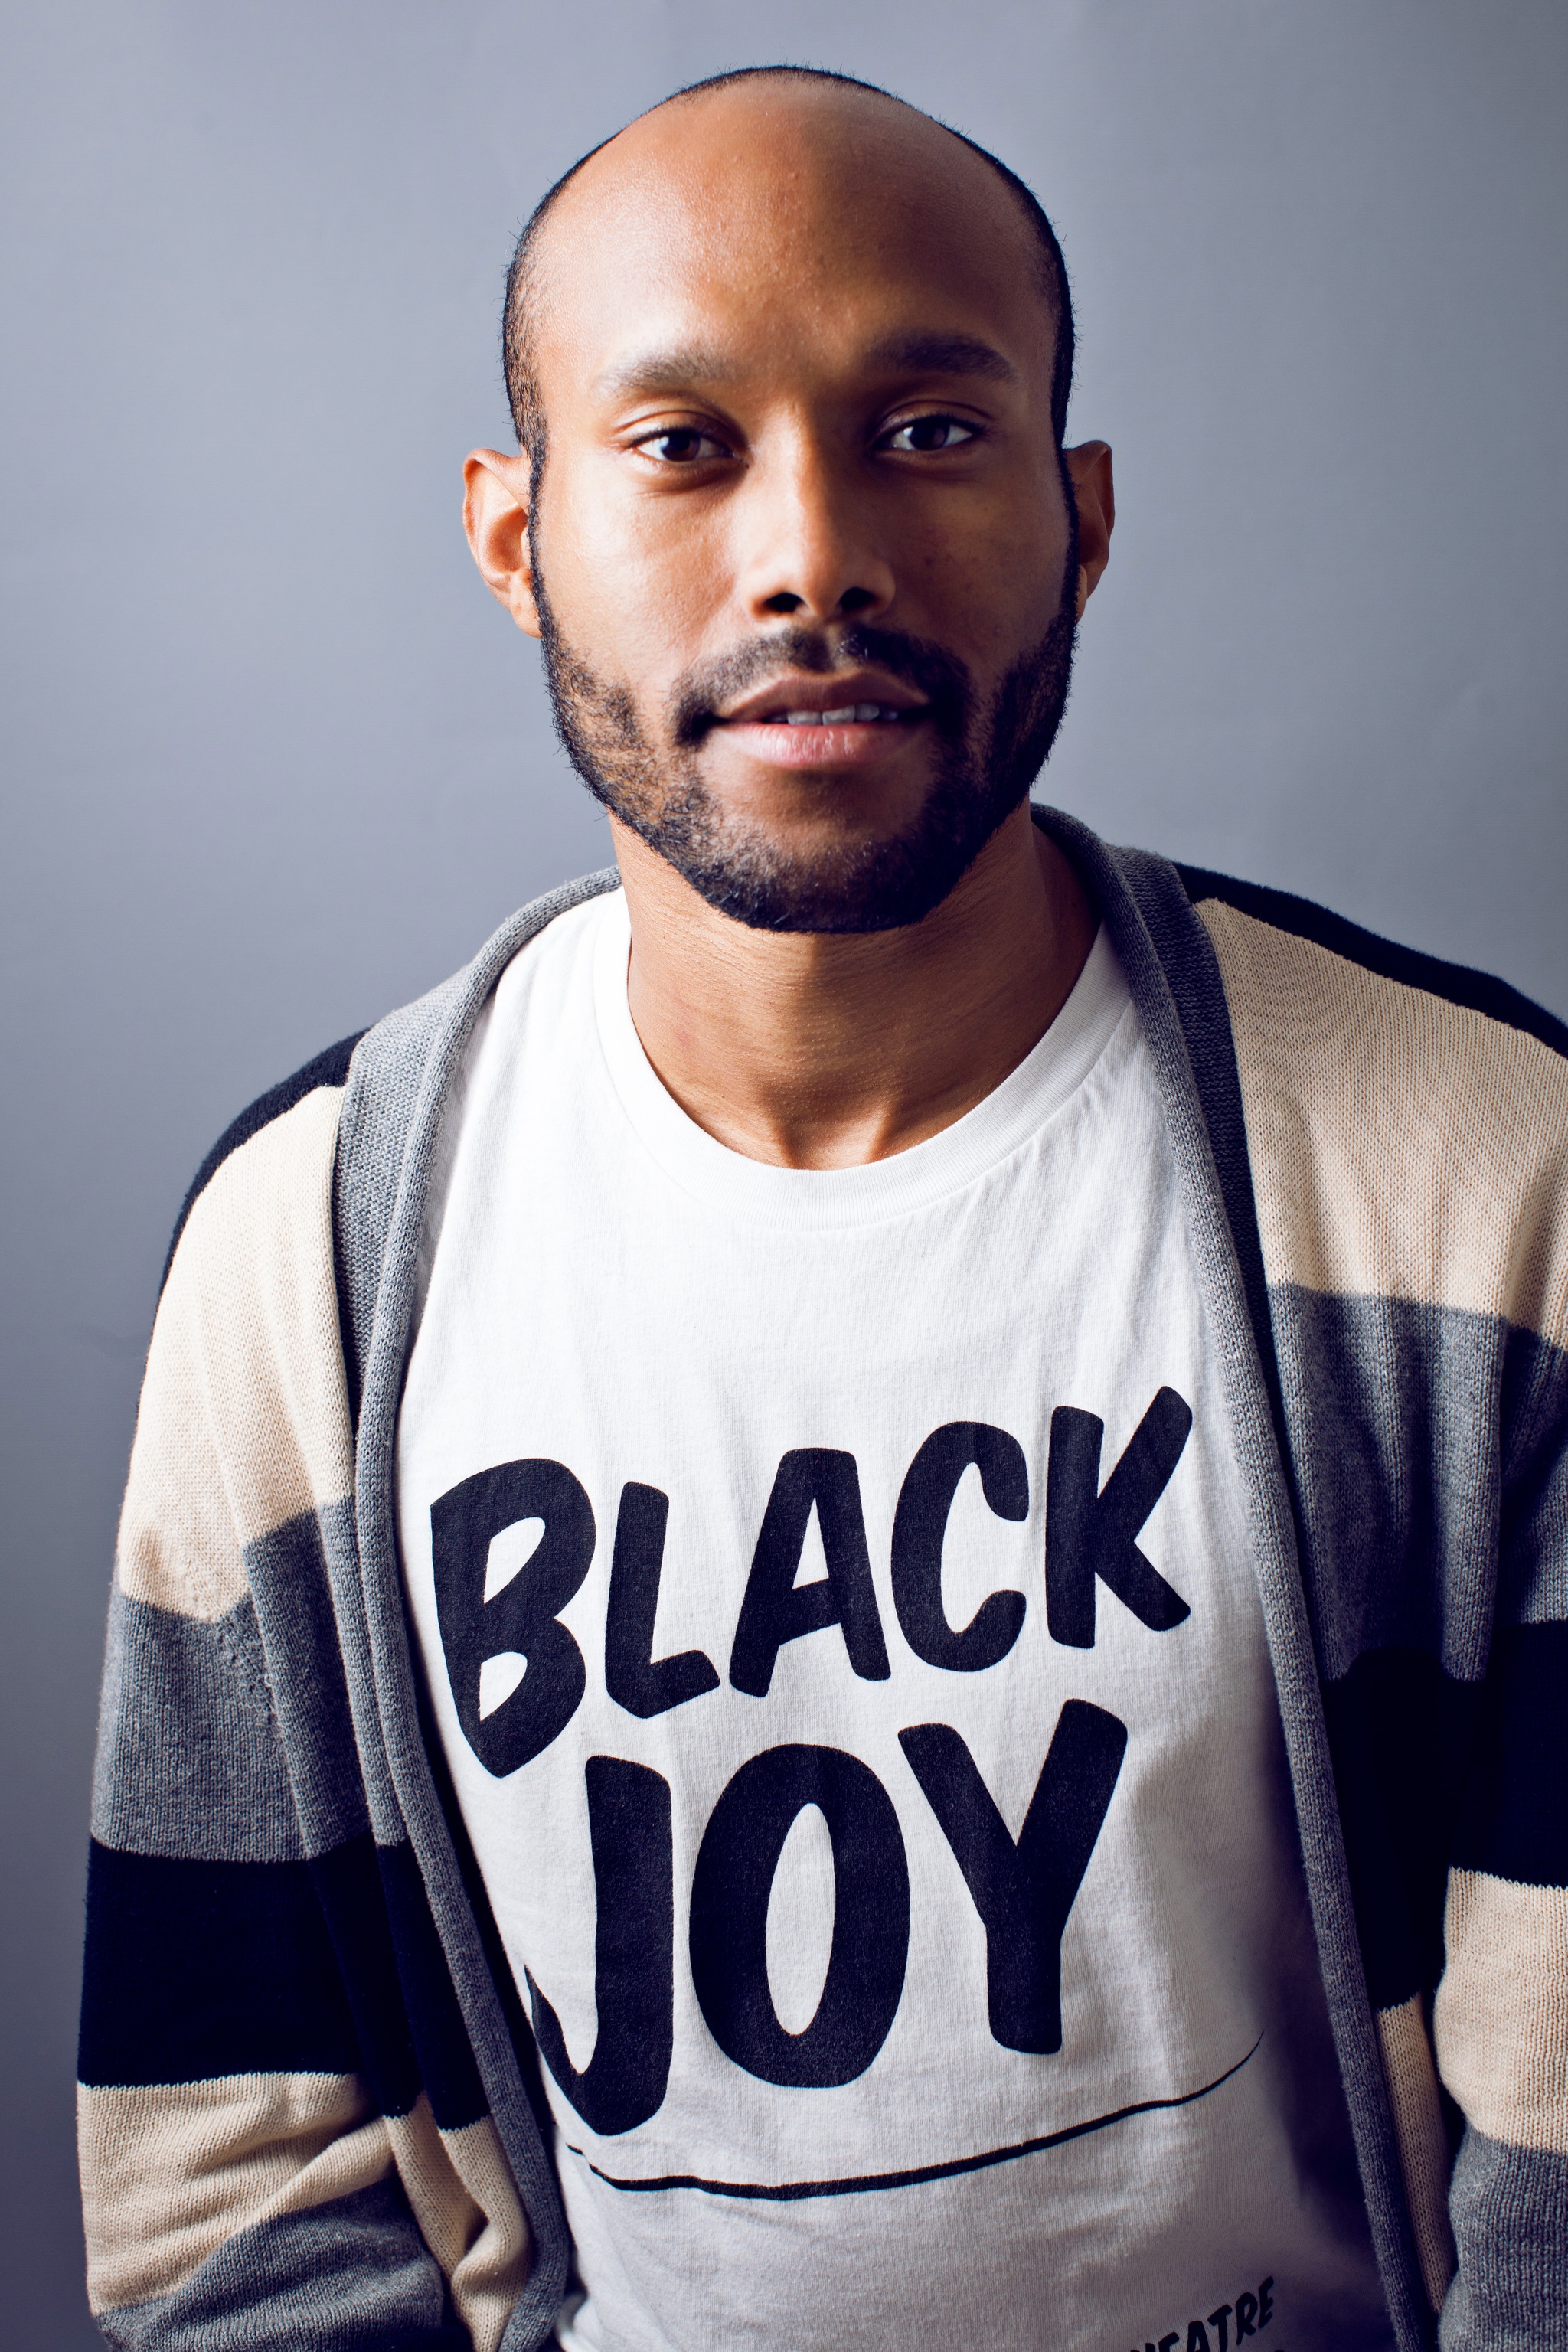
<point x="986" y="758"/>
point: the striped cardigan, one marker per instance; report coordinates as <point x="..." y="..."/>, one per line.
<point x="309" y="2112"/>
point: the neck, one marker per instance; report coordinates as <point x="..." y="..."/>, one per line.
<point x="819" y="1050"/>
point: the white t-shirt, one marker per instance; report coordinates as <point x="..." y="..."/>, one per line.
<point x="911" y="1917"/>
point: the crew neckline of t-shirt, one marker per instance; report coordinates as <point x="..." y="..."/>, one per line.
<point x="818" y="1199"/>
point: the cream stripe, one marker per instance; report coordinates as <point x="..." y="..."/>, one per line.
<point x="492" y="2273"/>
<point x="244" y="1417"/>
<point x="1422" y="2142"/>
<point x="1500" y="2018"/>
<point x="462" y="2190"/>
<point x="448" y="2217"/>
<point x="169" y="2173"/>
<point x="1402" y="1146"/>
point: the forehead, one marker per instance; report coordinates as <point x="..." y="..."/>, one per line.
<point x="783" y="222"/>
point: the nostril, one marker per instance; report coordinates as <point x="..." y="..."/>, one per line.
<point x="784" y="602"/>
<point x="855" y="600"/>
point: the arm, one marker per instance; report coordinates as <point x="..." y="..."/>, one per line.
<point x="256" y="2142"/>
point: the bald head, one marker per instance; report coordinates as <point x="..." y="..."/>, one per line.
<point x="756" y="151"/>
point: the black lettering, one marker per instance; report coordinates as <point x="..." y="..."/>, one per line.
<point x="522" y="1615"/>
<point x="644" y="1686"/>
<point x="774" y="1610"/>
<point x="1266" y="2302"/>
<point x="730" y="1891"/>
<point x="920" y="1525"/>
<point x="1024" y="1892"/>
<point x="1245" y="2313"/>
<point x="1220" y="2320"/>
<point x="1169" y="2342"/>
<point x="1197" y="2336"/>
<point x="1091" y="1534"/>
<point x="634" y="1953"/>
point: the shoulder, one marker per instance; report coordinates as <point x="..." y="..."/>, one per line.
<point x="1234" y="910"/>
<point x="243" y="1426"/>
<point x="269" y="1123"/>
<point x="1408" y="1119"/>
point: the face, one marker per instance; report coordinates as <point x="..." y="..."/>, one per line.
<point x="803" y="556"/>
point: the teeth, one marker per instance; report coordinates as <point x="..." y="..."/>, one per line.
<point x="861" y="714"/>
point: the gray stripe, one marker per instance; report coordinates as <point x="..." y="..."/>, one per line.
<point x="1398" y="1414"/>
<point x="1533" y="1583"/>
<point x="353" y="2275"/>
<point x="287" y="1573"/>
<point x="190" y="1759"/>
<point x="1128" y="886"/>
<point x="1510" y="2209"/>
<point x="359" y="1678"/>
<point x="398" y="1086"/>
<point x="401" y="1070"/>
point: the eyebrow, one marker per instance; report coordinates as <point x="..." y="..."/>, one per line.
<point x="912" y="354"/>
<point x="671" y="371"/>
<point x="935" y="354"/>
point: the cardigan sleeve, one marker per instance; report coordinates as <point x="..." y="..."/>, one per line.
<point x="260" y="2151"/>
<point x="1407" y="1131"/>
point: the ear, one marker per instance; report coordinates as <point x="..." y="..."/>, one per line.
<point x="1088" y="468"/>
<point x="495" y="516"/>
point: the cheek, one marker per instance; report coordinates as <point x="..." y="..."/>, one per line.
<point x="983" y="566"/>
<point x="990" y="590"/>
<point x="636" y="584"/>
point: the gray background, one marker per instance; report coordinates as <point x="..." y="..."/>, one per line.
<point x="274" y="762"/>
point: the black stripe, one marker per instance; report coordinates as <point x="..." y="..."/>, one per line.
<point x="348" y="1883"/>
<point x="328" y="1069"/>
<point x="446" y="2056"/>
<point x="864" y="2183"/>
<point x="195" y="1970"/>
<point x="1399" y="1733"/>
<point x="1432" y="1773"/>
<point x="1456" y="983"/>
<point x="1514" y="1823"/>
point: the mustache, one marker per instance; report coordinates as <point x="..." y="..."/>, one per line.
<point x="699" y="697"/>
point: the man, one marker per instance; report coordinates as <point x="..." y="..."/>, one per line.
<point x="838" y="1612"/>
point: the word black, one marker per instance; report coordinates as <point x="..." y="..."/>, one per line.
<point x="1091" y="1539"/>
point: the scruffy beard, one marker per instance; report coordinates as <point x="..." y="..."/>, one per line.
<point x="986" y="761"/>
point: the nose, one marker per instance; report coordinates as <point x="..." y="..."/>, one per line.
<point x="811" y="548"/>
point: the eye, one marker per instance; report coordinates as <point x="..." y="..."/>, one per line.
<point x="923" y="434"/>
<point x="680" y="445"/>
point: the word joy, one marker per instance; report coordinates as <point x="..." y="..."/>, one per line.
<point x="1091" y="1539"/>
